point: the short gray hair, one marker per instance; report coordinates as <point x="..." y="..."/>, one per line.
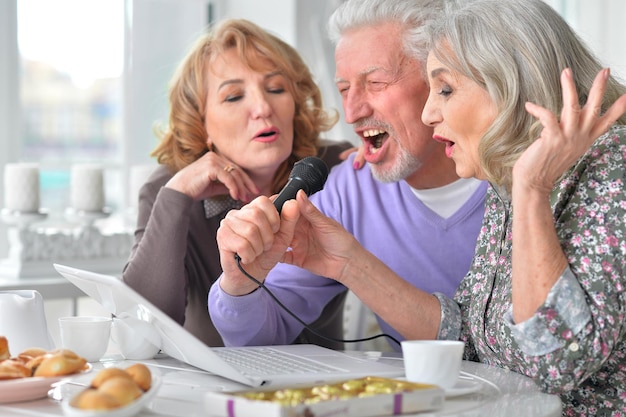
<point x="412" y="15"/>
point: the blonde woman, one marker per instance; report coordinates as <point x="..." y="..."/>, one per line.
<point x="244" y="109"/>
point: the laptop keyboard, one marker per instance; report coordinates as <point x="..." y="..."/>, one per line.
<point x="268" y="361"/>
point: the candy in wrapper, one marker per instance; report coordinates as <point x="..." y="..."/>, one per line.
<point x="369" y="396"/>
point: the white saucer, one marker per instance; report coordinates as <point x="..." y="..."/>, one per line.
<point x="464" y="386"/>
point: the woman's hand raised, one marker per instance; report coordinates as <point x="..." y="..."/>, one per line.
<point x="213" y="175"/>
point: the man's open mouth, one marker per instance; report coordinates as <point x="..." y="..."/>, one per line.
<point x="375" y="138"/>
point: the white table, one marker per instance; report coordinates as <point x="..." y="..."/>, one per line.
<point x="502" y="393"/>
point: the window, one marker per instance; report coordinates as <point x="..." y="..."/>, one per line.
<point x="85" y="81"/>
<point x="71" y="59"/>
<point x="599" y="25"/>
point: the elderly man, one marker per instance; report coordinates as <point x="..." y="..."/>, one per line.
<point x="407" y="206"/>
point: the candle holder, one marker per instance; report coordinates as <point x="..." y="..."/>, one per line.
<point x="84" y="217"/>
<point x="34" y="249"/>
<point x="22" y="219"/>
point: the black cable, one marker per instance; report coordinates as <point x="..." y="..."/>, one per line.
<point x="306" y="326"/>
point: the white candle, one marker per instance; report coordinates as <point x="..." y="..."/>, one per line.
<point x="87" y="187"/>
<point x="21" y="187"/>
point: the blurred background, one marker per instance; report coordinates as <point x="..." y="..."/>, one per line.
<point x="85" y="80"/>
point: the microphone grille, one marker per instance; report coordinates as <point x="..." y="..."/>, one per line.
<point x="312" y="171"/>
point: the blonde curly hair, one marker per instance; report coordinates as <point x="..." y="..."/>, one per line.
<point x="184" y="139"/>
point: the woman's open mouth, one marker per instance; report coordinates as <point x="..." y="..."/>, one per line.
<point x="449" y="145"/>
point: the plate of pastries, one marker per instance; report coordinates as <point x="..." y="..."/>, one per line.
<point x="114" y="392"/>
<point x="30" y="374"/>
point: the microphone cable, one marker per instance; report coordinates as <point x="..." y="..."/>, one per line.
<point x="299" y="320"/>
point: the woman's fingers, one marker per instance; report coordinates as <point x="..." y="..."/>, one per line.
<point x="593" y="108"/>
<point x="359" y="159"/>
<point x="588" y="121"/>
<point x="239" y="184"/>
<point x="224" y="176"/>
<point x="602" y="122"/>
<point x="571" y="107"/>
<point x="345" y="154"/>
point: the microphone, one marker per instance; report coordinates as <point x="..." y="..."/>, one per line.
<point x="308" y="174"/>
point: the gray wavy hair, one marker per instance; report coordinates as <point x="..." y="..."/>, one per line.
<point x="516" y="50"/>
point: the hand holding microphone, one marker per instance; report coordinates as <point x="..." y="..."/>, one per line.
<point x="251" y="230"/>
<point x="308" y="174"/>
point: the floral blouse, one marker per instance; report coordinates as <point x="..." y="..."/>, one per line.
<point x="575" y="344"/>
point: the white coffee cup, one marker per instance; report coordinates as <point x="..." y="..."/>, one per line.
<point x="136" y="339"/>
<point x="87" y="336"/>
<point x="435" y="362"/>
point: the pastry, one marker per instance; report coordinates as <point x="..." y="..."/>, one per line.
<point x="123" y="389"/>
<point x="33" y="352"/>
<point x="38" y="362"/>
<point x="114" y="387"/>
<point x="92" y="399"/>
<point x="60" y="362"/>
<point x="141" y="375"/>
<point x="108" y="373"/>
<point x="4" y="348"/>
<point x="12" y="369"/>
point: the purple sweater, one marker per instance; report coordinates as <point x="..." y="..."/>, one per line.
<point x="428" y="251"/>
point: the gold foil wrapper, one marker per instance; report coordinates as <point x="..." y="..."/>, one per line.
<point x="350" y="389"/>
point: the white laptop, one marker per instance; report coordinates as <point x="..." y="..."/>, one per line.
<point x="326" y="365"/>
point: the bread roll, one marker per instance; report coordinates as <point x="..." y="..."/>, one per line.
<point x="92" y="399"/>
<point x="114" y="387"/>
<point x="141" y="375"/>
<point x="123" y="389"/>
<point x="108" y="373"/>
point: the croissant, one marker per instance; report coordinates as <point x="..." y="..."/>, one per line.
<point x="32" y="357"/>
<point x="32" y="363"/>
<point x="32" y="352"/>
<point x="11" y="369"/>
<point x="62" y="362"/>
